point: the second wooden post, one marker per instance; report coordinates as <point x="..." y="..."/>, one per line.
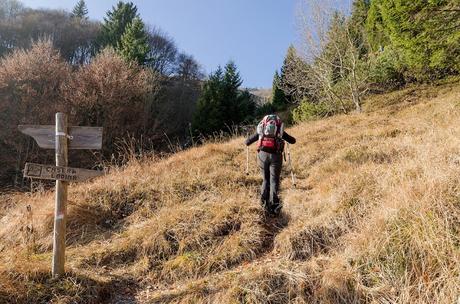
<point x="61" y="197"/>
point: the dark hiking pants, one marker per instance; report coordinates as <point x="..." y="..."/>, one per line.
<point x="270" y="166"/>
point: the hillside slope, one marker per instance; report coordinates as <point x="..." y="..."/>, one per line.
<point x="375" y="218"/>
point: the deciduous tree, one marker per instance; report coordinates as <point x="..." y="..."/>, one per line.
<point x="187" y="67"/>
<point x="31" y="83"/>
<point x="163" y="52"/>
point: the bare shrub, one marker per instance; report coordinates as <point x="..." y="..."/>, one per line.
<point x="31" y="92"/>
<point x="111" y="93"/>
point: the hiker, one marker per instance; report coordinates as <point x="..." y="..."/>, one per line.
<point x="271" y="136"/>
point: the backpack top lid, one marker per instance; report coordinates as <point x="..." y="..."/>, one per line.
<point x="271" y="126"/>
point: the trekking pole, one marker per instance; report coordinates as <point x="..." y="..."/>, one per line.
<point x="290" y="165"/>
<point x="247" y="160"/>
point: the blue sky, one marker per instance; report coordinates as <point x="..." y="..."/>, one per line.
<point x="253" y="33"/>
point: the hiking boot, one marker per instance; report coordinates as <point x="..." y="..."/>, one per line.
<point x="276" y="210"/>
<point x="266" y="206"/>
<point x="264" y="202"/>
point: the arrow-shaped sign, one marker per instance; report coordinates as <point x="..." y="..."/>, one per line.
<point x="59" y="173"/>
<point x="79" y="137"/>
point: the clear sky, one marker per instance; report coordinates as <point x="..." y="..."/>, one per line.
<point x="253" y="33"/>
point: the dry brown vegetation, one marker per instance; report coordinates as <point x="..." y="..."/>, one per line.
<point x="135" y="105"/>
<point x="113" y="93"/>
<point x="30" y="81"/>
<point x="375" y="218"/>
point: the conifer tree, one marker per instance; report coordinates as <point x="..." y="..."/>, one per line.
<point x="278" y="96"/>
<point x="231" y="83"/>
<point x="424" y="32"/>
<point x="357" y="24"/>
<point x="375" y="28"/>
<point x="115" y="24"/>
<point x="222" y="104"/>
<point x="296" y="77"/>
<point x="209" y="115"/>
<point x="288" y="78"/>
<point x="80" y="10"/>
<point x="134" y="42"/>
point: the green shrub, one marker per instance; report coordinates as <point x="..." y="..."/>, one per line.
<point x="388" y="69"/>
<point x="309" y="111"/>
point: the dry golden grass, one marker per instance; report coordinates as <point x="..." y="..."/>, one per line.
<point x="375" y="218"/>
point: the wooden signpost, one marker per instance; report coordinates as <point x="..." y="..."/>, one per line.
<point x="61" y="138"/>
<point x="80" y="137"/>
<point x="66" y="174"/>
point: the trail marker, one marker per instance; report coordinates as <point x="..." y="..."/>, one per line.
<point x="61" y="138"/>
<point x="66" y="174"/>
<point x="80" y="137"/>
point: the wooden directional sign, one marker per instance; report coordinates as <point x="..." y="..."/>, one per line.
<point x="59" y="173"/>
<point x="61" y="137"/>
<point x="79" y="137"/>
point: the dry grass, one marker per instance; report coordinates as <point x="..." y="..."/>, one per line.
<point x="375" y="218"/>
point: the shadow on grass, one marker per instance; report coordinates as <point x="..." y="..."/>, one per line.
<point x="40" y="287"/>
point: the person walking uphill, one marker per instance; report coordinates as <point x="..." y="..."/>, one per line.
<point x="270" y="136"/>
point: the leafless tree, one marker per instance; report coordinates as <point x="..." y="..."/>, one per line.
<point x="188" y="68"/>
<point x="163" y="52"/>
<point x="10" y="9"/>
<point x="337" y="72"/>
<point x="72" y="37"/>
<point x="30" y="93"/>
<point x="171" y="110"/>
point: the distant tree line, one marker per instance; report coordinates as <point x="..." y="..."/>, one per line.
<point x="380" y="45"/>
<point x="123" y="75"/>
<point x="79" y="39"/>
<point x="119" y="74"/>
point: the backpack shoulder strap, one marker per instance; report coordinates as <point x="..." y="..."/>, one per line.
<point x="281" y="131"/>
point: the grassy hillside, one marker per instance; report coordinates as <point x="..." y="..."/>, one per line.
<point x="375" y="218"/>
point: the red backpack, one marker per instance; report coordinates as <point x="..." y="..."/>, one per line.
<point x="270" y="131"/>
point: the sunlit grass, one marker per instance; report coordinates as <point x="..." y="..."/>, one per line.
<point x="375" y="218"/>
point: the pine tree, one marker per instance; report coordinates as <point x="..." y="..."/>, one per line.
<point x="115" y="24"/>
<point x="375" y="27"/>
<point x="296" y="77"/>
<point x="337" y="47"/>
<point x="134" y="42"/>
<point x="80" y="10"/>
<point x="359" y="12"/>
<point x="222" y="104"/>
<point x="289" y="75"/>
<point x="209" y="115"/>
<point x="424" y="32"/>
<point x="278" y="96"/>
<point x="231" y="83"/>
<point x="238" y="105"/>
<point x="357" y="25"/>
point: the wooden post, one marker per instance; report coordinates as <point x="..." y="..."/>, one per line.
<point x="61" y="197"/>
<point x="57" y="137"/>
